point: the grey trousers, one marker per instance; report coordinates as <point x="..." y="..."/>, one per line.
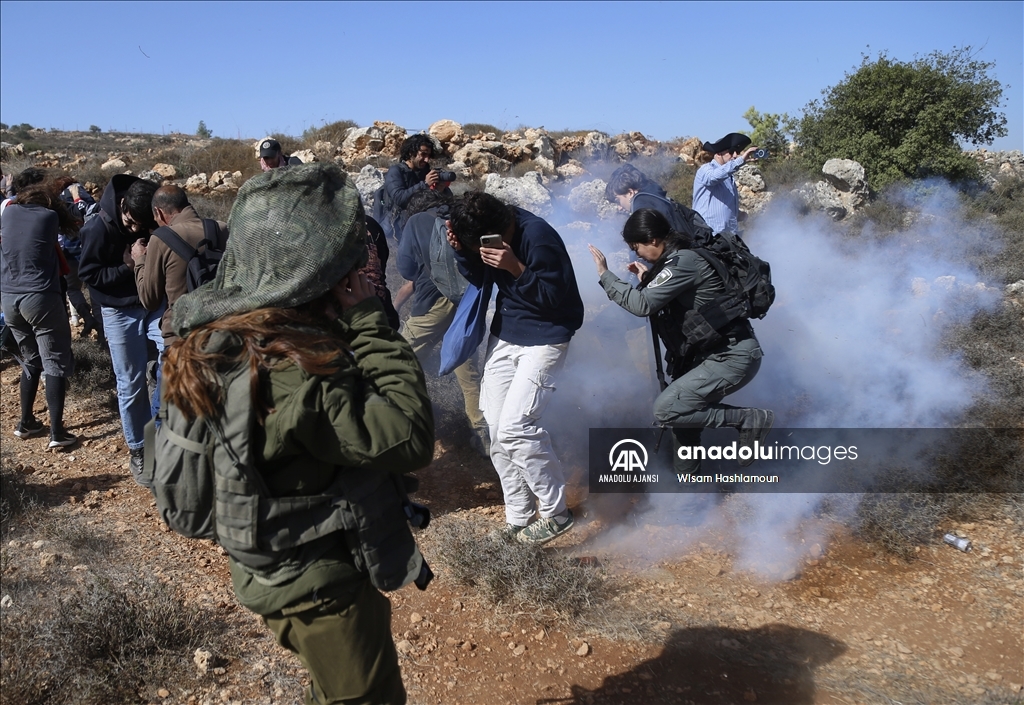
<point x="694" y="399"/>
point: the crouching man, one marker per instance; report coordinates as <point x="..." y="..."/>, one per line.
<point x="537" y="311"/>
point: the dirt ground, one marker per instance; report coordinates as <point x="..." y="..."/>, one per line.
<point x="853" y="626"/>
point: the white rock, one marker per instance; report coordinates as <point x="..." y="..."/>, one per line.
<point x="587" y="200"/>
<point x="526" y="192"/>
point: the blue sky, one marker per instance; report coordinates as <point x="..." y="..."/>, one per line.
<point x="665" y="69"/>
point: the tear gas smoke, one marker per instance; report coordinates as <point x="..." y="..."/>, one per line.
<point x="852" y="341"/>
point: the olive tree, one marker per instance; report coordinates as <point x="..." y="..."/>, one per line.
<point x="906" y="120"/>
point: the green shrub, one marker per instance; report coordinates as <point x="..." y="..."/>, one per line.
<point x="679" y="183"/>
<point x="221" y="155"/>
<point x="906" y="120"/>
<point x="333" y="133"/>
<point x="95" y="129"/>
<point x="472" y="128"/>
<point x="203" y="131"/>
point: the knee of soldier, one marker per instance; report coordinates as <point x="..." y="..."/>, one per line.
<point x="673" y="404"/>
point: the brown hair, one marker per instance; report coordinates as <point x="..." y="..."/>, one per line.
<point x="43" y="195"/>
<point x="268" y="336"/>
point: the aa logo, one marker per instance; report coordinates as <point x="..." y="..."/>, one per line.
<point x="623" y="457"/>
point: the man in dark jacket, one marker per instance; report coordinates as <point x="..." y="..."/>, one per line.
<point x="106" y="266"/>
<point x="537" y="311"/>
<point x="404" y="180"/>
<point x="273" y="157"/>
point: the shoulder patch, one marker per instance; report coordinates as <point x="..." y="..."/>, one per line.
<point x="662" y="277"/>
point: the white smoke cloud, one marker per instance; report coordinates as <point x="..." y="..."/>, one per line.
<point x="852" y="341"/>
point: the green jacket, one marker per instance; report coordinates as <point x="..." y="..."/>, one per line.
<point x="373" y="413"/>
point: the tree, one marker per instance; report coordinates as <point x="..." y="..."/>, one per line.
<point x="203" y="131"/>
<point x="95" y="129"/>
<point x="770" y="130"/>
<point x="906" y="120"/>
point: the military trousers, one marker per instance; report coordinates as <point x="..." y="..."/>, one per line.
<point x="693" y="401"/>
<point x="345" y="643"/>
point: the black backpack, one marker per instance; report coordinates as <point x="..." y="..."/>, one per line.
<point x="748" y="294"/>
<point x="205" y="484"/>
<point x="686" y="220"/>
<point x="202" y="261"/>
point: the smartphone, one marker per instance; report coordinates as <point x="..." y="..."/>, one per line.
<point x="760" y="154"/>
<point x="491" y="241"/>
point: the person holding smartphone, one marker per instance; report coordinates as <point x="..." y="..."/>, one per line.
<point x="537" y="311"/>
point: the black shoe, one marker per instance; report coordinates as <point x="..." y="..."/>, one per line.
<point x="62" y="440"/>
<point x="480" y="441"/>
<point x="28" y="429"/>
<point x="757" y="423"/>
<point x="136" y="459"/>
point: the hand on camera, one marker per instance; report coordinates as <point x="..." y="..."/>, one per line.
<point x="432" y="178"/>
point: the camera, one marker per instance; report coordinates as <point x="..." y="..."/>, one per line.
<point x="446" y="175"/>
<point x="760" y="154"/>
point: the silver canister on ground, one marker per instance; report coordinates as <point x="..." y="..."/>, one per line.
<point x="958" y="542"/>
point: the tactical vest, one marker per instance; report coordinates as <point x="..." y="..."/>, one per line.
<point x="206" y="486"/>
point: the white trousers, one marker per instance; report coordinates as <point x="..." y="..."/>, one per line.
<point x="517" y="384"/>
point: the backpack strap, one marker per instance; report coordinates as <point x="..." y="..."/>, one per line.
<point x="211" y="231"/>
<point x="174" y="241"/>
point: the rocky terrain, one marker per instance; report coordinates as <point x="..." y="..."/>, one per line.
<point x="678" y="616"/>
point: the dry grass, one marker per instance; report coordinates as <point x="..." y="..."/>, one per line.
<point x="516" y="577"/>
<point x="93" y="378"/>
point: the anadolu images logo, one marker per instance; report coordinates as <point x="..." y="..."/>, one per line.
<point x="627" y="459"/>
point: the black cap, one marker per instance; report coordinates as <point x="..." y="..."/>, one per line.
<point x="732" y="142"/>
<point x="269" y="148"/>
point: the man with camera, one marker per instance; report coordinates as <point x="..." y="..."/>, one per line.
<point x="537" y="311"/>
<point x="714" y="191"/>
<point x="405" y="179"/>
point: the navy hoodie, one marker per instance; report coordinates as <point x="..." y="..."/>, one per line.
<point x="541" y="307"/>
<point x="101" y="264"/>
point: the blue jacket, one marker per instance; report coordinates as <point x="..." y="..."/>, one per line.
<point x="413" y="256"/>
<point x="541" y="307"/>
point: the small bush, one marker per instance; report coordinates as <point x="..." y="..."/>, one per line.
<point x="473" y="128"/>
<point x="517" y="576"/>
<point x="679" y="183"/>
<point x="94" y="373"/>
<point x="203" y="131"/>
<point x="15" y="499"/>
<point x="103" y="643"/>
<point x="333" y="133"/>
<point x="785" y="174"/>
<point x="95" y="129"/>
<point x="221" y="155"/>
<point x="213" y="206"/>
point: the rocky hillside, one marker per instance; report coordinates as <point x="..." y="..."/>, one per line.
<point x="530" y="167"/>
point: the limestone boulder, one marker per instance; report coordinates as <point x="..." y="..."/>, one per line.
<point x="596" y="146"/>
<point x="526" y="192"/>
<point x="822" y="196"/>
<point x="221" y="178"/>
<point x="306" y="155"/>
<point x="586" y="199"/>
<point x="368" y="180"/>
<point x="571" y="169"/>
<point x="448" y="134"/>
<point x="151" y="175"/>
<point x="115" y="165"/>
<point x="167" y="171"/>
<point x="197" y="183"/>
<point x="689" y="150"/>
<point x="847" y="176"/>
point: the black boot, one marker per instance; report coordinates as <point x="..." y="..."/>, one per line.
<point x="753" y="425"/>
<point x="56" y="392"/>
<point x="28" y="386"/>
